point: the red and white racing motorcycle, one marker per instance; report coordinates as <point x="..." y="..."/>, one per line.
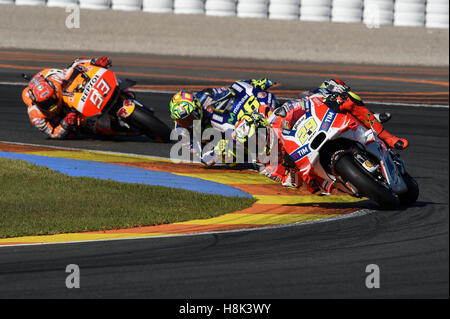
<point x="348" y="156"/>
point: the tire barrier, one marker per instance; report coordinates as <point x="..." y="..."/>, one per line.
<point x="348" y="11"/>
<point x="409" y="13"/>
<point x="157" y="6"/>
<point x="220" y="8"/>
<point x="378" y="12"/>
<point x="95" y="4"/>
<point x="373" y="13"/>
<point x="437" y="14"/>
<point x="61" y="3"/>
<point x="252" y="8"/>
<point x="30" y="2"/>
<point x="127" y="5"/>
<point x="315" y="10"/>
<point x="188" y="6"/>
<point x="284" y="9"/>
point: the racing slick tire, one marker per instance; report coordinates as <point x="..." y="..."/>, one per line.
<point x="351" y="171"/>
<point x="145" y="121"/>
<point x="412" y="194"/>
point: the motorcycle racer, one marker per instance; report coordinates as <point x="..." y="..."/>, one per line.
<point x="46" y="108"/>
<point x="339" y="97"/>
<point x="205" y="106"/>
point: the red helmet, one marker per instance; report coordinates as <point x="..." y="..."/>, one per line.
<point x="45" y="94"/>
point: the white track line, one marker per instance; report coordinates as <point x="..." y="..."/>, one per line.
<point x="441" y="106"/>
<point x="361" y="212"/>
<point x="101" y="152"/>
<point x="281" y="98"/>
<point x="358" y="213"/>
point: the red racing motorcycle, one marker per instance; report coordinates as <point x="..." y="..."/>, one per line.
<point x="348" y="156"/>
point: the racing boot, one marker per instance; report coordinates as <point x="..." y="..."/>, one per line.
<point x="382" y="117"/>
<point x="368" y="119"/>
<point x="291" y="179"/>
<point x="288" y="177"/>
<point x="274" y="172"/>
<point x="317" y="185"/>
<point x="392" y="140"/>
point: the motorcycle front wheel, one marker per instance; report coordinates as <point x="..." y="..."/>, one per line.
<point x="412" y="194"/>
<point x="146" y="122"/>
<point x="351" y="171"/>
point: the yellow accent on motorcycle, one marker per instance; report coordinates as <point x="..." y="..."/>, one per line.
<point x="307" y="129"/>
<point x="54" y="107"/>
<point x="368" y="164"/>
<point x="250" y="106"/>
<point x="355" y="96"/>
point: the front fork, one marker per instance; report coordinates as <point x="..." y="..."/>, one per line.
<point x="391" y="166"/>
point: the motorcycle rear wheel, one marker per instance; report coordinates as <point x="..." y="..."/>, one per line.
<point x="350" y="170"/>
<point x="145" y="121"/>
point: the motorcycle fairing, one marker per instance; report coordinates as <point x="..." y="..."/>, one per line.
<point x="91" y="91"/>
<point x="246" y="100"/>
<point x="336" y="125"/>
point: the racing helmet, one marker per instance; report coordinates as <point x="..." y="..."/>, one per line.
<point x="46" y="94"/>
<point x="185" y="108"/>
<point x="335" y="85"/>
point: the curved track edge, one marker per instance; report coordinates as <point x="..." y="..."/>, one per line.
<point x="275" y="207"/>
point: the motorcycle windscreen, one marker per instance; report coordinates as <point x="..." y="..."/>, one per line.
<point x="97" y="93"/>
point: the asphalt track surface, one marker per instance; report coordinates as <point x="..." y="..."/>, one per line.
<point x="323" y="260"/>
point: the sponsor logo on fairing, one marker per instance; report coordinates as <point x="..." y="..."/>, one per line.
<point x="238" y="106"/>
<point x="237" y="87"/>
<point x="217" y="118"/>
<point x="261" y="95"/>
<point x="328" y="120"/>
<point x="88" y="87"/>
<point x="300" y="153"/>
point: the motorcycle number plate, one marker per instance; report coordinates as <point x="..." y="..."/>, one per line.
<point x="307" y="130"/>
<point x="97" y="93"/>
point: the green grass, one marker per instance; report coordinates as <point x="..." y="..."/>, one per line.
<point x="35" y="200"/>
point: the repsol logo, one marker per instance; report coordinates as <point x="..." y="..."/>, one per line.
<point x="88" y="87"/>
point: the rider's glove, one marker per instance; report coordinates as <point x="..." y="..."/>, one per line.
<point x="102" y="61"/>
<point x="244" y="128"/>
<point x="70" y="120"/>
<point x="335" y="100"/>
<point x="262" y="84"/>
<point x="225" y="150"/>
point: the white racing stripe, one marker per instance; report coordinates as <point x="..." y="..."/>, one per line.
<point x="89" y="150"/>
<point x="443" y="106"/>
<point x="14" y="83"/>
